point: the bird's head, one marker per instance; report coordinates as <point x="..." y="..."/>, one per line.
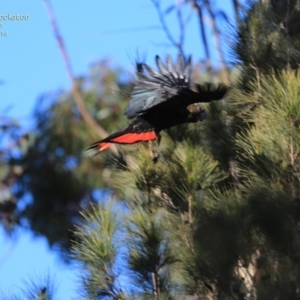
<point x="196" y="112"/>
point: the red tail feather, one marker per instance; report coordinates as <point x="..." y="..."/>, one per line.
<point x="122" y="138"/>
<point x="132" y="137"/>
<point x="103" y="146"/>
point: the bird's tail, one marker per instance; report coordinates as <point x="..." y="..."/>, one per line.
<point x="136" y="132"/>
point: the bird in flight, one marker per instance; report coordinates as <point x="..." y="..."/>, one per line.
<point x="162" y="99"/>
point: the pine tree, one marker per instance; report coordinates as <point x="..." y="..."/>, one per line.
<point x="216" y="217"/>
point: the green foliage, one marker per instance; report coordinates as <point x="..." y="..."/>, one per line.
<point x="55" y="176"/>
<point x="152" y="254"/>
<point x="268" y="38"/>
<point x="213" y="212"/>
<point x="216" y="216"/>
<point x="34" y="288"/>
<point x="96" y="249"/>
<point x="12" y="144"/>
<point x="271" y="146"/>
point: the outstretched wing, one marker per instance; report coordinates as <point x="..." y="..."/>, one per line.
<point x="208" y="92"/>
<point x="155" y="87"/>
<point x="169" y="86"/>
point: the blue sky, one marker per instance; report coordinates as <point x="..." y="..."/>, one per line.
<point x="31" y="65"/>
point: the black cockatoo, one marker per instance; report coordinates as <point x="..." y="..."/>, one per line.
<point x="160" y="100"/>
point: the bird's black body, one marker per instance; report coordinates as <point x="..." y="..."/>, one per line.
<point x="160" y="100"/>
<point x="162" y="118"/>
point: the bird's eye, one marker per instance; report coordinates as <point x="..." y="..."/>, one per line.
<point x="202" y="114"/>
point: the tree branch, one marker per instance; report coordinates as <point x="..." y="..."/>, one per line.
<point x="217" y="41"/>
<point x="181" y="28"/>
<point x="236" y="6"/>
<point x="75" y="88"/>
<point x="179" y="44"/>
<point x="155" y="285"/>
<point x="198" y="9"/>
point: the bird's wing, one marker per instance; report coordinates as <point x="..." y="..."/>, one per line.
<point x="208" y="92"/>
<point x="155" y="87"/>
<point x="169" y="86"/>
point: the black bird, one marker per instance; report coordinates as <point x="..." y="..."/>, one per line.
<point x="160" y="100"/>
